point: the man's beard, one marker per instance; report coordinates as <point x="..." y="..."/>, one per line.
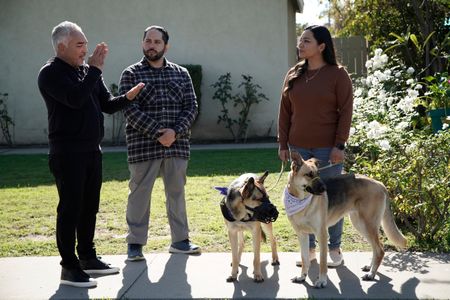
<point x="153" y="57"/>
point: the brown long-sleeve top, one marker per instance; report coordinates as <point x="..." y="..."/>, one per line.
<point x="316" y="113"/>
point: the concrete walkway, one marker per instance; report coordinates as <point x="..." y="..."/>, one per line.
<point x="401" y="276"/>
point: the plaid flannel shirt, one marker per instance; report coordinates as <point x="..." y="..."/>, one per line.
<point x="167" y="101"/>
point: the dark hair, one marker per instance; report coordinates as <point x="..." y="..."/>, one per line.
<point x="165" y="34"/>
<point x="322" y="36"/>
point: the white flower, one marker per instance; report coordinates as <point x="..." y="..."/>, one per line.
<point x="375" y="130"/>
<point x="418" y="87"/>
<point x="409" y="81"/>
<point x="362" y="125"/>
<point x="358" y="92"/>
<point x="411" y="148"/>
<point x="378" y="52"/>
<point x="410" y="70"/>
<point x="384" y="144"/>
<point x="352" y="131"/>
<point x="398" y="74"/>
<point x="357" y="101"/>
<point x="406" y="104"/>
<point x="402" y="125"/>
<point x="372" y="92"/>
<point x="389" y="101"/>
<point x="445" y="125"/>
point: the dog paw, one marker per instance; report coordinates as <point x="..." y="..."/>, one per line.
<point x="366" y="268"/>
<point x="231" y="279"/>
<point x="298" y="279"/>
<point x="275" y="263"/>
<point x="258" y="279"/>
<point x="368" y="277"/>
<point x="320" y="283"/>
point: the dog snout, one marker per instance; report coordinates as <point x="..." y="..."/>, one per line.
<point x="317" y="187"/>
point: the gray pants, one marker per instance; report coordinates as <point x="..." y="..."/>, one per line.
<point x="142" y="179"/>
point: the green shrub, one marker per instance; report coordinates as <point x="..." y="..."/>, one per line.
<point x="410" y="160"/>
<point x="243" y="101"/>
<point x="196" y="75"/>
<point x="418" y="179"/>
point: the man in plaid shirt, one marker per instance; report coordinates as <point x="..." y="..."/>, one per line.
<point x="157" y="134"/>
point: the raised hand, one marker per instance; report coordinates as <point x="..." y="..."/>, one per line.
<point x="97" y="58"/>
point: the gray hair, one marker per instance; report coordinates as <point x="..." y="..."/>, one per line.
<point x="62" y="31"/>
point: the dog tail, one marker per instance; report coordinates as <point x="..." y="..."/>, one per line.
<point x="389" y="226"/>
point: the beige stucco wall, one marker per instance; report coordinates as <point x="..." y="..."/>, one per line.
<point x="255" y="37"/>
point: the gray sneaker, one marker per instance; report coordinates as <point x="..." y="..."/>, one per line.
<point x="185" y="247"/>
<point x="135" y="252"/>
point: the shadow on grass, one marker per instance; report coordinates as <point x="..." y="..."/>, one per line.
<point x="32" y="169"/>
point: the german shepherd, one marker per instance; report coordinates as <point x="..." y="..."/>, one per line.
<point x="246" y="206"/>
<point x="364" y="199"/>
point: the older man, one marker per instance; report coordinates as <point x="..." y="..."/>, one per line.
<point x="76" y="96"/>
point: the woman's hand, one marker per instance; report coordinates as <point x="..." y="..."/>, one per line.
<point x="283" y="154"/>
<point x="336" y="156"/>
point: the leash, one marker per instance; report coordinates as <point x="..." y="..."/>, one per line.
<point x="283" y="165"/>
<point x="328" y="166"/>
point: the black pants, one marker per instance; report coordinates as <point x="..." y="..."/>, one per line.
<point x="78" y="177"/>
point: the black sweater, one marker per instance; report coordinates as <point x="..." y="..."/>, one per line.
<point x="75" y="99"/>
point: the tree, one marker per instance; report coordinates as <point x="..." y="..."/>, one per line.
<point x="420" y="28"/>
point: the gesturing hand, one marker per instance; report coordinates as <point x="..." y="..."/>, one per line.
<point x="97" y="58"/>
<point x="134" y="91"/>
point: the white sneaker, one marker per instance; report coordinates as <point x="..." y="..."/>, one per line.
<point x="312" y="256"/>
<point x="336" y="258"/>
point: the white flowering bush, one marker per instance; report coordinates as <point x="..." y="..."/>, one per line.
<point x="383" y="105"/>
<point x="389" y="142"/>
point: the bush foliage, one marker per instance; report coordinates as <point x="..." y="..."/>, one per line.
<point x="393" y="142"/>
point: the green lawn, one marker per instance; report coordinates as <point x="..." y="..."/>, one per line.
<point x="28" y="200"/>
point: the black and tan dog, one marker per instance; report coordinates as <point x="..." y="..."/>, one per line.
<point x="246" y="206"/>
<point x="364" y="199"/>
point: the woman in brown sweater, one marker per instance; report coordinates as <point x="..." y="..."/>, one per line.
<point x="315" y="114"/>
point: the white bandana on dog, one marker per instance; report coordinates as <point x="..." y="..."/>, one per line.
<point x="293" y="204"/>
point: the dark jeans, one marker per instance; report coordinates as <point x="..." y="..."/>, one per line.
<point x="78" y="177"/>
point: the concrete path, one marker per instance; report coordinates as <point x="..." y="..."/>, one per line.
<point x="401" y="276"/>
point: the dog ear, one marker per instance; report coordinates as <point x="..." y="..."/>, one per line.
<point x="295" y="156"/>
<point x="263" y="177"/>
<point x="248" y="188"/>
<point x="297" y="161"/>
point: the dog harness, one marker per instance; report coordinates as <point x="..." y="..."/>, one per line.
<point x="293" y="204"/>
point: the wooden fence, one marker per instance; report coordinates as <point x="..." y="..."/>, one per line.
<point x="352" y="53"/>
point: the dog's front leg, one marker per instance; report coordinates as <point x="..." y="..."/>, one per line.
<point x="303" y="239"/>
<point x="256" y="232"/>
<point x="273" y="245"/>
<point x="233" y="236"/>
<point x="322" y="238"/>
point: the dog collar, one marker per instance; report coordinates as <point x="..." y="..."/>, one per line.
<point x="293" y="204"/>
